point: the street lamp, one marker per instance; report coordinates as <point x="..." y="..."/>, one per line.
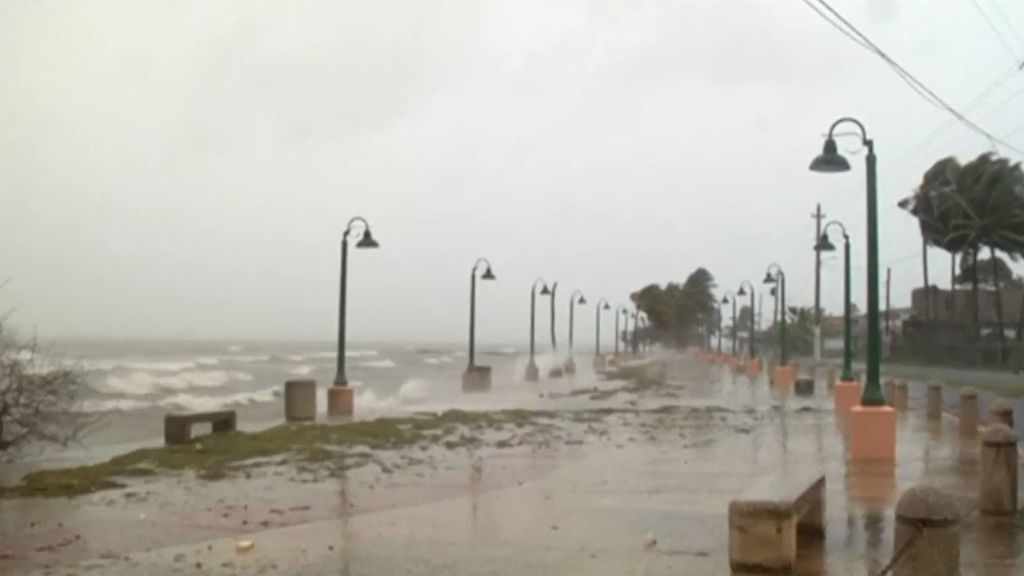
<point x="730" y="296"/>
<point x="743" y="292"/>
<point x="863" y="418"/>
<point x="826" y="245"/>
<point x="601" y="306"/>
<point x="339" y="396"/>
<point x="532" y="372"/>
<point x="555" y="371"/>
<point x="775" y="275"/>
<point x="570" y="364"/>
<point x="476" y="378"/>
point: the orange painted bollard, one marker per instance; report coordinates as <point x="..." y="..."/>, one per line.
<point x="783" y="378"/>
<point x="846" y="396"/>
<point x="753" y="368"/>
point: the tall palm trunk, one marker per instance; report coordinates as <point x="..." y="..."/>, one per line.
<point x="999" y="304"/>
<point x="974" y="289"/>
<point x="927" y="286"/>
<point x="951" y="304"/>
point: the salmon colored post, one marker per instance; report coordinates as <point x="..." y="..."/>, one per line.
<point x="872" y="433"/>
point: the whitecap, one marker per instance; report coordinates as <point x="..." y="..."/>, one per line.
<point x="141" y="383"/>
<point x="197" y="403"/>
<point x="413" y="390"/>
<point x="94" y="405"/>
<point x="304" y="370"/>
<point x="384" y="363"/>
<point x="111" y="364"/>
<point x="436" y="360"/>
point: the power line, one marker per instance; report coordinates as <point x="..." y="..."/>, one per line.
<point x="927" y="93"/>
<point x="999" y="35"/>
<point x="1016" y="33"/>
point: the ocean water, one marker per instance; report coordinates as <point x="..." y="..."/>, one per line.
<point x="134" y="375"/>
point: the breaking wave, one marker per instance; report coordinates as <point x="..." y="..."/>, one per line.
<point x="142" y="383"/>
<point x="198" y="403"/>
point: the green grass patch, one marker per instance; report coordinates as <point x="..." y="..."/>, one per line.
<point x="216" y="456"/>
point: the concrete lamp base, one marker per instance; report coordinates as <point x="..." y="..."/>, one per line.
<point x="782" y="378"/>
<point x="570" y="366"/>
<point x="753" y="368"/>
<point x="532" y="372"/>
<point x="872" y="433"/>
<point x="556" y="372"/>
<point x="847" y="395"/>
<point x="340" y="401"/>
<point x="476" y="379"/>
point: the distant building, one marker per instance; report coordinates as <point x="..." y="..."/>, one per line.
<point x="958" y="305"/>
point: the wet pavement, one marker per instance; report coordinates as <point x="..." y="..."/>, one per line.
<point x="644" y="490"/>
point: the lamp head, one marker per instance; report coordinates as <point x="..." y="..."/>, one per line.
<point x="725" y="299"/>
<point x="768" y="278"/>
<point x="606" y="306"/>
<point x="830" y="160"/>
<point x="367" y="240"/>
<point x="582" y="300"/>
<point x="825" y="244"/>
<point x="742" y="291"/>
<point x="544" y="291"/>
<point x="488" y="274"/>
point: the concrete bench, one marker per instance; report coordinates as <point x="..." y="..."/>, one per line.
<point x="767" y="522"/>
<point x="178" y="427"/>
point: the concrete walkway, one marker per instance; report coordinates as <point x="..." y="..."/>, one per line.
<point x="645" y="494"/>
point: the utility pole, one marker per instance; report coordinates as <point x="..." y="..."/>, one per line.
<point x="818" y="216"/>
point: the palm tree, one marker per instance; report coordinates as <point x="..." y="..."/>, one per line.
<point x="935" y="208"/>
<point x="991" y="193"/>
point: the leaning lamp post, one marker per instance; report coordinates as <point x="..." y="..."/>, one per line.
<point x="782" y="375"/>
<point x="476" y="378"/>
<point x="847" y="392"/>
<point x="339" y="396"/>
<point x="602" y="305"/>
<point x="872" y="424"/>
<point x="532" y="372"/>
<point x="576" y="297"/>
<point x="753" y="366"/>
<point x="620" y="310"/>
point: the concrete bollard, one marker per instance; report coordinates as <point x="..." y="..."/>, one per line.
<point x="934" y="411"/>
<point x="997" y="493"/>
<point x="968" y="413"/>
<point x="299" y="400"/>
<point x="929" y="516"/>
<point x="890" y="391"/>
<point x="1001" y="412"/>
<point x="901" y="396"/>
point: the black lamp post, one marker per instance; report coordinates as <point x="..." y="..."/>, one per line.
<point x="532" y="372"/>
<point x="775" y="275"/>
<point x="636" y="323"/>
<point x="576" y="297"/>
<point x="365" y="241"/>
<point x="476" y="378"/>
<point x="601" y="306"/>
<point x="743" y="292"/>
<point x="555" y="371"/>
<point x="826" y="245"/>
<point x="831" y="161"/>
<point x="718" y="330"/>
<point x="730" y="296"/>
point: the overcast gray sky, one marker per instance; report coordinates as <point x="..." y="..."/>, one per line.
<point x="185" y="169"/>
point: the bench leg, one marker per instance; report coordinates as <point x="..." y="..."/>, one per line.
<point x="761" y="544"/>
<point x="226" y="425"/>
<point x="812" y="523"/>
<point x="177" y="432"/>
